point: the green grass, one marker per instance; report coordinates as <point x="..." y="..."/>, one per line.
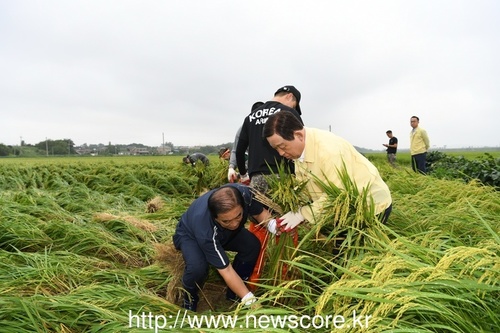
<point x="404" y="158"/>
<point x="78" y="250"/>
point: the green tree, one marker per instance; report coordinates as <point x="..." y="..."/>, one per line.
<point x="56" y="147"/>
<point x="4" y="150"/>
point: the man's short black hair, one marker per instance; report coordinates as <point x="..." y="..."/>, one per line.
<point x="224" y="199"/>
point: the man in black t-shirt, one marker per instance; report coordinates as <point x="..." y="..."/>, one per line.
<point x="392" y="148"/>
<point x="262" y="158"/>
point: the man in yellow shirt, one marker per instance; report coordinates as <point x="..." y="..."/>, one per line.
<point x="419" y="144"/>
<point x="321" y="154"/>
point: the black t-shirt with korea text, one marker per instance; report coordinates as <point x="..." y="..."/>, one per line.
<point x="262" y="158"/>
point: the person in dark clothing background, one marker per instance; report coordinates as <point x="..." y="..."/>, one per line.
<point x="194" y="158"/>
<point x="232" y="175"/>
<point x="262" y="158"/>
<point x="392" y="148"/>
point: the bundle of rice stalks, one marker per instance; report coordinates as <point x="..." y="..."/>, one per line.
<point x="168" y="255"/>
<point x="216" y="174"/>
<point x="154" y="205"/>
<point x="285" y="194"/>
<point x="347" y="214"/>
<point x="200" y="171"/>
<point x="134" y="221"/>
<point x="286" y="191"/>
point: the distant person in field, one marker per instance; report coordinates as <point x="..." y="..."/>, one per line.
<point x="224" y="153"/>
<point x="392" y="148"/>
<point x="194" y="158"/>
<point x="320" y="155"/>
<point x="419" y="144"/>
<point x="212" y="225"/>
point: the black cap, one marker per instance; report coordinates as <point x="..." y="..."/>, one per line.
<point x="295" y="93"/>
<point x="257" y="105"/>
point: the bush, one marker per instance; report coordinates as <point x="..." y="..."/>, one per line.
<point x="485" y="169"/>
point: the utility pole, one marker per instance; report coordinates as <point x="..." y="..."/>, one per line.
<point x="46" y="146"/>
<point x="163" y="143"/>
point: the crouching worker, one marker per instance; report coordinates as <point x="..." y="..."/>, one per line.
<point x="194" y="158"/>
<point x="213" y="224"/>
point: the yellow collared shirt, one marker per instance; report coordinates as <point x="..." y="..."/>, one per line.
<point x="324" y="154"/>
<point x="419" y="141"/>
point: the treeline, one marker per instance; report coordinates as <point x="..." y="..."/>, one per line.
<point x="47" y="147"/>
<point x="67" y="147"/>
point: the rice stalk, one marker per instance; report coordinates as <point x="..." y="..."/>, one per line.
<point x="346" y="213"/>
<point x="154" y="205"/>
<point x="171" y="258"/>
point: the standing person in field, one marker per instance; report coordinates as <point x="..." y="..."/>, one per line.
<point x="232" y="175"/>
<point x="212" y="225"/>
<point x="194" y="158"/>
<point x="320" y="154"/>
<point x="392" y="148"/>
<point x="419" y="144"/>
<point x="262" y="158"/>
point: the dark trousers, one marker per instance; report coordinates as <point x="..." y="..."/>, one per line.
<point x="418" y="162"/>
<point x="244" y="243"/>
<point x="385" y="215"/>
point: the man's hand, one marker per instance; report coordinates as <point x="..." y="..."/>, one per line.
<point x="272" y="226"/>
<point x="290" y="220"/>
<point x="248" y="299"/>
<point x="232" y="175"/>
<point x="245" y="180"/>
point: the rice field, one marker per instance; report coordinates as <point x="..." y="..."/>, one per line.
<point x="84" y="243"/>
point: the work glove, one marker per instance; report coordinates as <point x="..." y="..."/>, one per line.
<point x="272" y="226"/>
<point x="248" y="299"/>
<point x="232" y="175"/>
<point x="290" y="220"/>
<point x="245" y="180"/>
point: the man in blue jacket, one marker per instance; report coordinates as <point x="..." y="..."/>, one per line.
<point x="212" y="225"/>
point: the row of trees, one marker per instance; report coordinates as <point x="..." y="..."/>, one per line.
<point x="48" y="147"/>
<point x="67" y="147"/>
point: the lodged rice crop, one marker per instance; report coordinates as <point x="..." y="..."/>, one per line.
<point x="84" y="243"/>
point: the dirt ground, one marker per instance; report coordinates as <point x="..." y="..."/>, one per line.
<point x="213" y="294"/>
<point x="213" y="298"/>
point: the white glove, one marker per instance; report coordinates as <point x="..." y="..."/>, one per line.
<point x="232" y="175"/>
<point x="272" y="227"/>
<point x="248" y="299"/>
<point x="290" y="220"/>
<point x="245" y="180"/>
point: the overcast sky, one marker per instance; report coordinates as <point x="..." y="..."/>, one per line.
<point x="187" y="71"/>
